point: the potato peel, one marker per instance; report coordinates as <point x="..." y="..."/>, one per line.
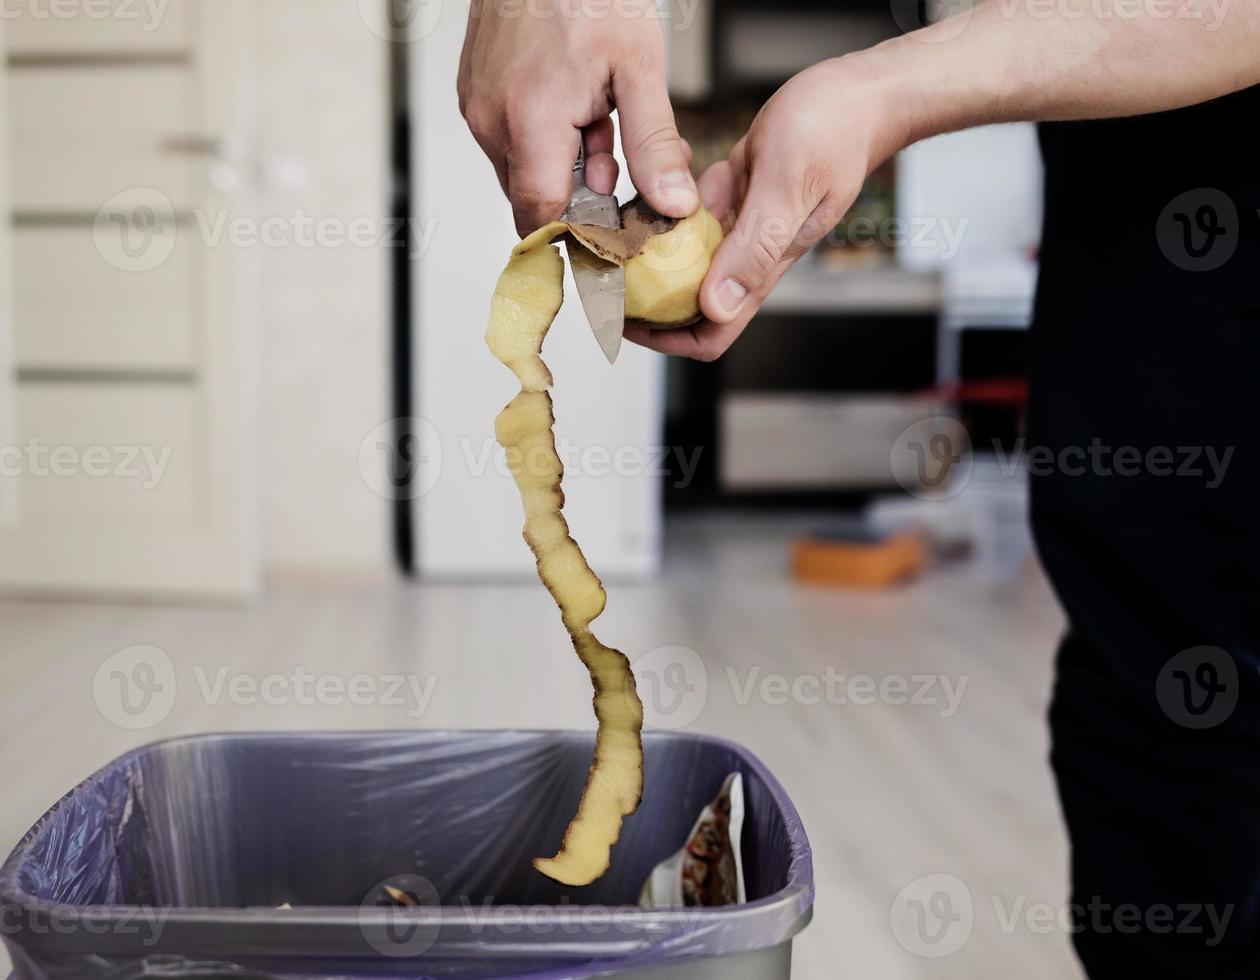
<point x="665" y="261"/>
<point x="526" y="300"/>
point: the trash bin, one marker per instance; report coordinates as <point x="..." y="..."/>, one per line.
<point x="270" y="856"/>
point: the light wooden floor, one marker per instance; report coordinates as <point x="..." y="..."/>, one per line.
<point x="889" y="792"/>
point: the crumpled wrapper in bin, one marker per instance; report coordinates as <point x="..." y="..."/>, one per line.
<point x="173" y="861"/>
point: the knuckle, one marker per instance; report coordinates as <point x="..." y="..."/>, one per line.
<point x="660" y="141"/>
<point x="643" y="60"/>
<point x="710" y="352"/>
<point x="817" y="179"/>
<point x="763" y="252"/>
<point x="479" y="115"/>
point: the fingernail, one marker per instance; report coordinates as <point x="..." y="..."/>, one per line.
<point x="677" y="190"/>
<point x="730" y="297"/>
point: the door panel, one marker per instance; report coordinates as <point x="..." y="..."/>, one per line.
<point x="72" y="309"/>
<point x="120" y="25"/>
<point x="128" y="460"/>
<point x="126" y="452"/>
<point x="83" y="134"/>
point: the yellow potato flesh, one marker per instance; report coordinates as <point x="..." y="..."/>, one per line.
<point x="526" y="300"/>
<point x="663" y="281"/>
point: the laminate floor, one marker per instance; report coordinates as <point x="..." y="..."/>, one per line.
<point x="908" y="725"/>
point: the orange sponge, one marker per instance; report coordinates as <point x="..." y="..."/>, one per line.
<point x="860" y="560"/>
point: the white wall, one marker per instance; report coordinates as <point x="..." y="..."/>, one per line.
<point x="323" y="135"/>
<point x="470" y="522"/>
<point x="983" y="184"/>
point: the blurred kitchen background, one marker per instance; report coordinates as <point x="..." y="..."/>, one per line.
<point x="246" y="420"/>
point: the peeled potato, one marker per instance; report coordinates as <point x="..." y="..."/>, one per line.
<point x="663" y="281"/>
<point x="665" y="262"/>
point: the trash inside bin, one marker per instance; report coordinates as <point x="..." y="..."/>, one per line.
<point x="274" y="856"/>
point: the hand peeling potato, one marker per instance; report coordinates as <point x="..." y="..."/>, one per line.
<point x="665" y="262"/>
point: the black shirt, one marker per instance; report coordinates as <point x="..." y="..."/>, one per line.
<point x="1145" y="362"/>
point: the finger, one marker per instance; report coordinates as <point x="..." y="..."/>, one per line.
<point x="766" y="233"/>
<point x="705" y="341"/>
<point x="539" y="163"/>
<point x="717" y="193"/>
<point x="601" y="165"/>
<point x="688" y="154"/>
<point x="654" y="150"/>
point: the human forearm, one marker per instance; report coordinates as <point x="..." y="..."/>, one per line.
<point x="802" y="163"/>
<point x="1037" y="60"/>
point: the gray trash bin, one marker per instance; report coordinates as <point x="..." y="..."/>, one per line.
<point x="174" y="860"/>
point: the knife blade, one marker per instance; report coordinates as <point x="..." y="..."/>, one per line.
<point x="601" y="284"/>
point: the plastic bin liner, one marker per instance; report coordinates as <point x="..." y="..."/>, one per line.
<point x="172" y="861"/>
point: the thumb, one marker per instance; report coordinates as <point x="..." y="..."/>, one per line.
<point x="654" y="150"/>
<point x="774" y="228"/>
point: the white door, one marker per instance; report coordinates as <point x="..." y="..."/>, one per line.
<point x="126" y="462"/>
<point x="609" y="420"/>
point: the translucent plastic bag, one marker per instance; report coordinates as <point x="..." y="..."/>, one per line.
<point x="174" y="860"/>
